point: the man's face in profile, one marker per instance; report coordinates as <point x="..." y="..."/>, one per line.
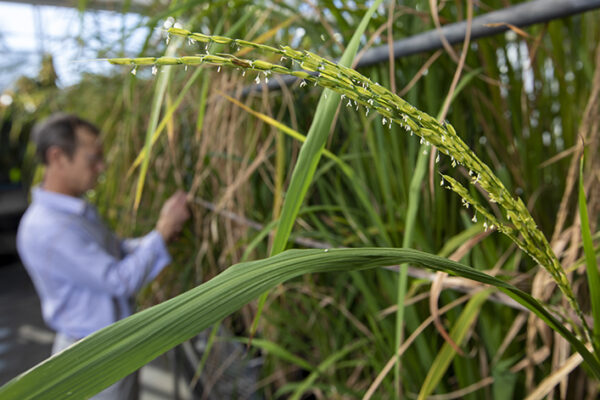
<point x="87" y="163"/>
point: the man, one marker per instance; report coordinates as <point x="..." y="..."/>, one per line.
<point x="85" y="276"/>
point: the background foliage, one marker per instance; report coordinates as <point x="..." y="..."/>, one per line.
<point x="528" y="104"/>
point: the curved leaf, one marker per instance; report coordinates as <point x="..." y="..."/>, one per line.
<point x="106" y="356"/>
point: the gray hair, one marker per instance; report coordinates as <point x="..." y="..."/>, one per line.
<point x="59" y="130"/>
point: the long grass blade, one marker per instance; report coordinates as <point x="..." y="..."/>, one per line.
<point x="142" y="156"/>
<point x="358" y="185"/>
<point x="161" y="88"/>
<point x="590" y="259"/>
<point x="552" y="380"/>
<point x="278" y="351"/>
<point x="411" y="216"/>
<point x="310" y="154"/>
<point x="106" y="356"/>
<point x="171" y="110"/>
<point x="458" y="333"/>
<point x="328" y="362"/>
<point x="206" y="352"/>
<point x="315" y="141"/>
<point x="414" y="196"/>
<point x="284" y="129"/>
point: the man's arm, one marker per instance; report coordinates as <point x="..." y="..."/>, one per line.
<point x="80" y="259"/>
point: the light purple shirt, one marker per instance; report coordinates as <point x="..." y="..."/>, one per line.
<point x="85" y="276"/>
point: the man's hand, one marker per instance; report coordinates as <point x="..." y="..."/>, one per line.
<point x="173" y="215"/>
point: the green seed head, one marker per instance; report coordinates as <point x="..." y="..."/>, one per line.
<point x="178" y="31"/>
<point x="167" y="61"/>
<point x="144" y="61"/>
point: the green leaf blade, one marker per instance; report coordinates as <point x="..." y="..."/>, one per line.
<point x="458" y="333"/>
<point x="111" y="353"/>
<point x="590" y="260"/>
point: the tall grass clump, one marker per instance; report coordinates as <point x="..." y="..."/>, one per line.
<point x="359" y="90"/>
<point x="498" y="329"/>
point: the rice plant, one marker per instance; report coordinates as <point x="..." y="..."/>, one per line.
<point x="357" y="198"/>
<point x="359" y="90"/>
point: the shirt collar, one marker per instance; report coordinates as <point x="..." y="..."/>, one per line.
<point x="59" y="201"/>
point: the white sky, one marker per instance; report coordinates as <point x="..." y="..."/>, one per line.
<point x="21" y="45"/>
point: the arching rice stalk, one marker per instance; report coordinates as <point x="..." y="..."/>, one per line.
<point x="356" y="90"/>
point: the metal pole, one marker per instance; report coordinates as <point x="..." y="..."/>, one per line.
<point x="135" y="6"/>
<point x="520" y="15"/>
<point x="39" y="29"/>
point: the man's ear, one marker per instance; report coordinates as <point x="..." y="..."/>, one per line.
<point x="55" y="155"/>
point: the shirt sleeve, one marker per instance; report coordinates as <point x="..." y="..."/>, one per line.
<point x="129" y="245"/>
<point x="82" y="260"/>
